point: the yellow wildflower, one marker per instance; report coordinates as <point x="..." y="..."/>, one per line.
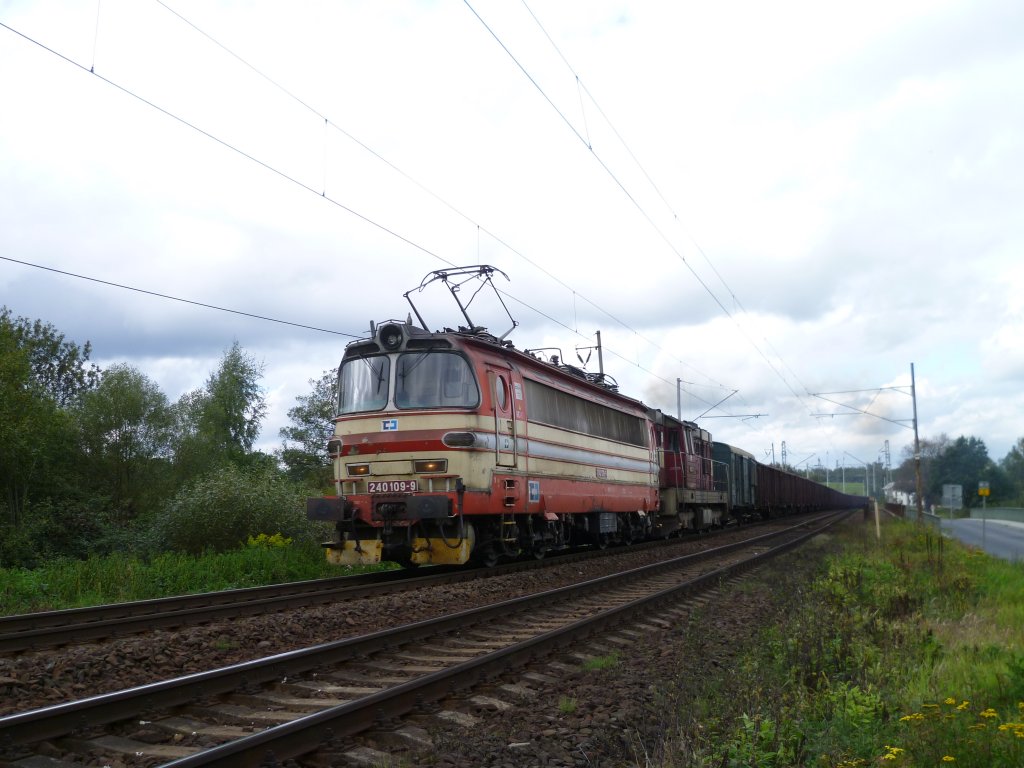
<point x="964" y="705"/>
<point x="892" y="753"/>
<point x="912" y="716"/>
<point x="949" y="700"/>
<point x="989" y="713"/>
<point x="948" y="759"/>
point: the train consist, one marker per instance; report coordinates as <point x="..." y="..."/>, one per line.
<point x="454" y="446"/>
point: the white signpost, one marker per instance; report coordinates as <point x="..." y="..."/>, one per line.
<point x="953" y="497"/>
<point x="983" y="491"/>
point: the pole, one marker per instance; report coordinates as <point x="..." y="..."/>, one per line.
<point x="983" y="522"/>
<point x="679" y="399"/>
<point x="917" y="450"/>
<point x="600" y="356"/>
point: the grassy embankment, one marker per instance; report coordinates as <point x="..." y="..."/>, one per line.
<point x="907" y="651"/>
<point x="118" y="578"/>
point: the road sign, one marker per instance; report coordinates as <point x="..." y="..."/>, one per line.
<point x="983" y="488"/>
<point x="953" y="496"/>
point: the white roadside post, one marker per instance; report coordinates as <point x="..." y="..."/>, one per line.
<point x="983" y="491"/>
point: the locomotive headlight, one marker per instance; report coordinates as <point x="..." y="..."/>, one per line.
<point x="459" y="439"/>
<point x="334" y="447"/>
<point x="358" y="470"/>
<point x="391" y="336"/>
<point x="432" y="465"/>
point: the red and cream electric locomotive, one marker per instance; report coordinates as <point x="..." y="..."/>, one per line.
<point x="454" y="446"/>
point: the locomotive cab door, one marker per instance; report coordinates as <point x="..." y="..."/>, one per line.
<point x="505" y="453"/>
<point x="692" y="461"/>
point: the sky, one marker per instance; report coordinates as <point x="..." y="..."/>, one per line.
<point x="756" y="203"/>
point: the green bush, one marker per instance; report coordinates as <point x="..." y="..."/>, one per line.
<point x="16" y="547"/>
<point x="222" y="509"/>
<point x="68" y="527"/>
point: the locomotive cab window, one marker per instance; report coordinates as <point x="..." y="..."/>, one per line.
<point x="363" y="384"/>
<point x="501" y="392"/>
<point x="672" y="441"/>
<point x="434" y="380"/>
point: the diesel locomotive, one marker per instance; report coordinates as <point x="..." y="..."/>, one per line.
<point x="454" y="446"/>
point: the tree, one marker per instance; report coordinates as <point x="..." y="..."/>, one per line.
<point x="32" y="428"/>
<point x="905" y="476"/>
<point x="125" y="427"/>
<point x="220" y="423"/>
<point x="38" y="459"/>
<point x="304" y="450"/>
<point x="1013" y="465"/>
<point x="235" y="405"/>
<point x="61" y="368"/>
<point x="963" y="462"/>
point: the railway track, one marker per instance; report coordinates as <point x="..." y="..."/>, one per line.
<point x="317" y="698"/>
<point x="48" y="629"/>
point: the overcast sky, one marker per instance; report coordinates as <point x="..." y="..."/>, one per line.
<point x="783" y="199"/>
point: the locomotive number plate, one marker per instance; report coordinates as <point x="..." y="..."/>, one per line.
<point x="391" y="486"/>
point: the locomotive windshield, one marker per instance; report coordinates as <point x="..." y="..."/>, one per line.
<point x="364" y="384"/>
<point x="422" y="380"/>
<point x="434" y="380"/>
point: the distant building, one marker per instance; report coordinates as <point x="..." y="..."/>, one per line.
<point x="892" y="496"/>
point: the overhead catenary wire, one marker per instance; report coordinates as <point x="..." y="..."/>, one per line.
<point x="632" y="198"/>
<point x="338" y="203"/>
<point x="289" y="322"/>
<point x="178" y="298"/>
<point x="582" y="88"/>
<point x="282" y="175"/>
<point x="366" y="147"/>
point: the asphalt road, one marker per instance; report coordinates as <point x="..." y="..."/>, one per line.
<point x="997" y="537"/>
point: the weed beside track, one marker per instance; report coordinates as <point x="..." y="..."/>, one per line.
<point x="903" y="651"/>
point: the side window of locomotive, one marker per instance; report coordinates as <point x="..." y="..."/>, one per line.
<point x="434" y="380"/>
<point x="501" y="392"/>
<point x="561" y="409"/>
<point x="363" y="384"/>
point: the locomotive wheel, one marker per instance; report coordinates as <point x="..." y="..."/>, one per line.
<point x="488" y="556"/>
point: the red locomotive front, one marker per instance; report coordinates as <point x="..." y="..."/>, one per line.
<point x="691" y="498"/>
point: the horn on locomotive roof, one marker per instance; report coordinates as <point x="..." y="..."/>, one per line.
<point x="479" y="272"/>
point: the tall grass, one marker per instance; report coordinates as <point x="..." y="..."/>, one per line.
<point x="121" y="577"/>
<point x="905" y="652"/>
